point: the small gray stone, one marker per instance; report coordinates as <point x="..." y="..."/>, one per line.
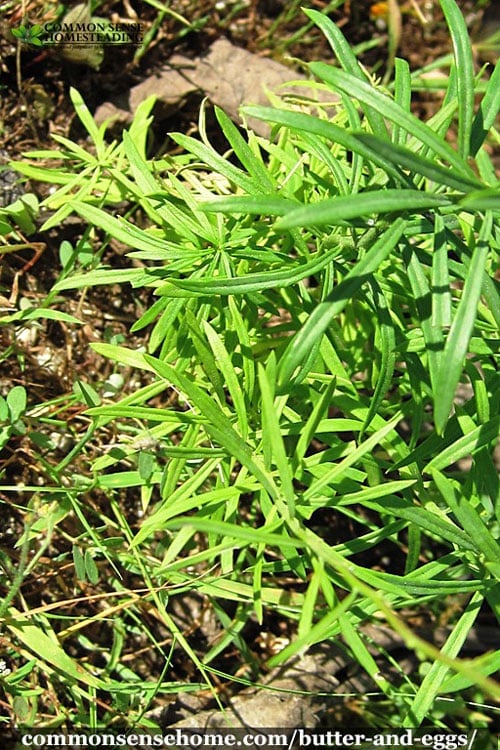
<point x="228" y="75"/>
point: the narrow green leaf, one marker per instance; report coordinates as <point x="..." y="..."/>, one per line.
<point x="361" y="653"/>
<point x="126" y="479"/>
<point x="402" y="95"/>
<point x="121" y="229"/>
<point x="485" y="664"/>
<point x="348" y="60"/>
<point x="272" y="437"/>
<point x="464" y="67"/>
<point x="16" y="401"/>
<point x="138" y="131"/>
<point x="86" y="118"/>
<point x="140" y="171"/>
<point x="99" y="277"/>
<point x="440" y="283"/>
<point x="117" y="411"/>
<point x="217" y="424"/>
<point x="254" y="282"/>
<point x="404" y="157"/>
<point x="468" y="516"/>
<point x="185" y="498"/>
<point x="433" y="336"/>
<point x="91" y="569"/>
<point x="226" y="367"/>
<point x="482" y="200"/>
<point x="268" y="204"/>
<point x="145" y="465"/>
<point x="242" y="150"/>
<point x="318" y="632"/>
<point x="319" y="320"/>
<point x="186" y="218"/>
<point x="241" y="326"/>
<point x="329" y="130"/>
<point x="387" y="343"/>
<point x="221" y="165"/>
<point x="343" y="208"/>
<point x="353" y="457"/>
<point x="86" y="393"/>
<point x="47" y="649"/>
<point x="247" y="535"/>
<point x="426" y="521"/>
<point x="381" y="490"/>
<point x="387" y="107"/>
<point x="309" y="429"/>
<point x="466" y="445"/>
<point x="458" y="339"/>
<point x="79" y="563"/>
<point x="76" y="151"/>
<point x="124" y="356"/>
<point x="433" y="680"/>
<point x="487" y="112"/>
<point x="310" y="603"/>
<point x="337" y="41"/>
<point x="205" y="356"/>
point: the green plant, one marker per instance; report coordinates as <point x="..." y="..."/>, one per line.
<point x="11" y="410"/>
<point x="29" y="34"/>
<point x="21" y="212"/>
<point x="320" y="296"/>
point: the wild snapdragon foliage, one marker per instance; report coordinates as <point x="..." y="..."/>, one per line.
<point x="318" y="298"/>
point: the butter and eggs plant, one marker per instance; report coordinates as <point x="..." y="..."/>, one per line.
<point x="320" y="299"/>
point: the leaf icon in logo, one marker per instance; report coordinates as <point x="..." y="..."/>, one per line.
<point x="29" y="34"/>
